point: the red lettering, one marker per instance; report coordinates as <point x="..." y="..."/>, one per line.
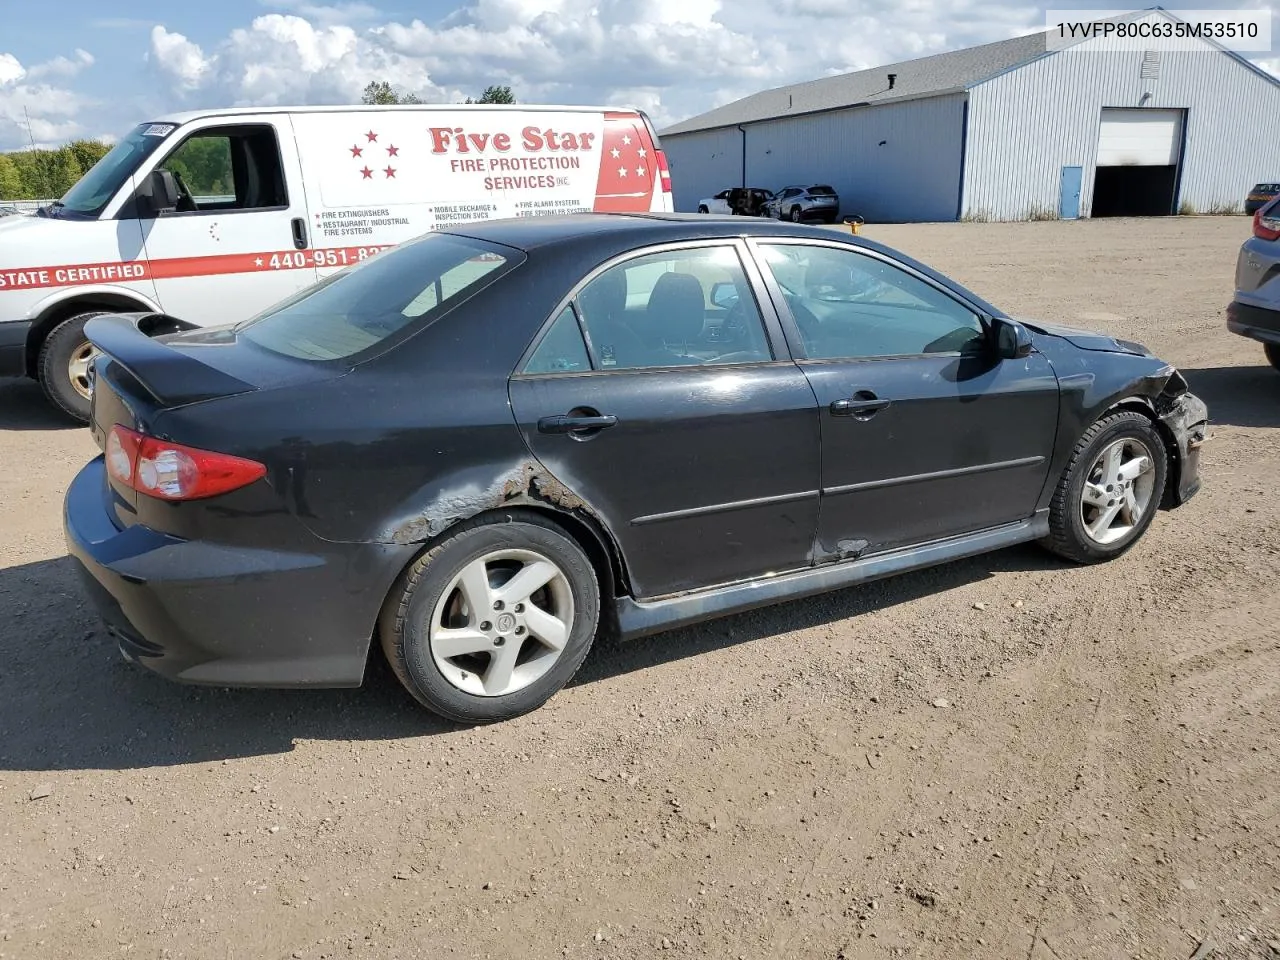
<point x="585" y="140"/>
<point x="549" y="136"/>
<point x="501" y="141"/>
<point x="439" y="139"/>
<point x="479" y="141"/>
<point x="460" y="141"/>
<point x="531" y="139"/>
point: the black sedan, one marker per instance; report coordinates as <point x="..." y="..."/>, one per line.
<point x="483" y="448"/>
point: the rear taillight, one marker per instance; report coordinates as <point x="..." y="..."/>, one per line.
<point x="1266" y="223"/>
<point x="171" y="471"/>
<point x="664" y="171"/>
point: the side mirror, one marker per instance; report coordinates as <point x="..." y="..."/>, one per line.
<point x="724" y="295"/>
<point x="159" y="192"/>
<point x="1012" y="340"/>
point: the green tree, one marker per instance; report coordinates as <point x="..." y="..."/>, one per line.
<point x="10" y="179"/>
<point x="380" y="92"/>
<point x="64" y="171"/>
<point x="88" y="152"/>
<point x="494" y="94"/>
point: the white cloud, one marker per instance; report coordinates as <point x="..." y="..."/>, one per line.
<point x="177" y="56"/>
<point x="322" y="13"/>
<point x="40" y="111"/>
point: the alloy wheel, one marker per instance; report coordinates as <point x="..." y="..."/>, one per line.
<point x="1117" y="490"/>
<point x="502" y="622"/>
<point x="78" y="368"/>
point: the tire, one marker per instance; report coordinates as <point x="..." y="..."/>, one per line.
<point x="795" y="214"/>
<point x="1069" y="537"/>
<point x="1272" y="351"/>
<point x="65" y="344"/>
<point x="702" y="208"/>
<point x="464" y="687"/>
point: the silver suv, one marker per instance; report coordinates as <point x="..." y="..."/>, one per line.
<point x="818" y="202"/>
<point x="1255" y="311"/>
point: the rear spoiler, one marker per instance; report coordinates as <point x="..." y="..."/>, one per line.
<point x="172" y="377"/>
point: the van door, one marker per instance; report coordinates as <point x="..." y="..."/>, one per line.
<point x="239" y="240"/>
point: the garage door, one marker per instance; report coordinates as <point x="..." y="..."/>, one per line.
<point x="1139" y="137"/>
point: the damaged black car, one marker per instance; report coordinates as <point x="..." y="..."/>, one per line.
<point x="478" y="451"/>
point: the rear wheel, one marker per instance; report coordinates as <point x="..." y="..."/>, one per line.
<point x="63" y="366"/>
<point x="1272" y="351"/>
<point x="1109" y="492"/>
<point x="494" y="620"/>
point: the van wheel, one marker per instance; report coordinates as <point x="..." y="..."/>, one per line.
<point x="702" y="208"/>
<point x="63" y="366"/>
<point x="493" y="620"/>
<point x="1272" y="351"/>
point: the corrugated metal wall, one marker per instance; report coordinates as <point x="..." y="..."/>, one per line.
<point x="1026" y="125"/>
<point x="897" y="162"/>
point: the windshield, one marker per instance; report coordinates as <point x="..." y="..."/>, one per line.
<point x="96" y="188"/>
<point x="361" y="307"/>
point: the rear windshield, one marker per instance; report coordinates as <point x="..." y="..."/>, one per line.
<point x="821" y="190"/>
<point x="361" y="307"/>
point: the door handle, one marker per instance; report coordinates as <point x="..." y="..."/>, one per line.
<point x="299" y="233"/>
<point x="863" y="405"/>
<point x="572" y="423"/>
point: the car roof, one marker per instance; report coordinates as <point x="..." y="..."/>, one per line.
<point x="532" y="233"/>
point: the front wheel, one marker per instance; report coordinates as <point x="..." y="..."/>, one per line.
<point x="1109" y="492"/>
<point x="63" y="366"/>
<point x="795" y="214"/>
<point x="494" y="620"/>
<point x="702" y="208"/>
<point x="1272" y="351"/>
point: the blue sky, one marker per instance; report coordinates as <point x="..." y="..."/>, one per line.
<point x="94" y="68"/>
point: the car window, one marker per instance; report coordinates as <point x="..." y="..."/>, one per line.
<point x="658" y="310"/>
<point x="228" y="168"/>
<point x="562" y="350"/>
<point x="354" y="310"/>
<point x="722" y="195"/>
<point x="848" y="305"/>
<point x="821" y="190"/>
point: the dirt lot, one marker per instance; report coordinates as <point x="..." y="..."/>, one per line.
<point x="1104" y="782"/>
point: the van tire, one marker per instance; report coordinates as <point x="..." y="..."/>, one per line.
<point x="702" y="208"/>
<point x="64" y="344"/>
<point x="1272" y="350"/>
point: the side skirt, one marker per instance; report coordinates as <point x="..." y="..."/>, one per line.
<point x="639" y="618"/>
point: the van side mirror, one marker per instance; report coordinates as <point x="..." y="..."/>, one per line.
<point x="1013" y="342"/>
<point x="159" y="193"/>
<point x="724" y="295"/>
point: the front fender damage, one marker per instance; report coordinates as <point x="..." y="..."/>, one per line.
<point x="1185" y="418"/>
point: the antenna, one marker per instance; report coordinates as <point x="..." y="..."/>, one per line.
<point x="44" y="170"/>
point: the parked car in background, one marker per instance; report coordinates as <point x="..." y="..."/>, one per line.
<point x="799" y="204"/>
<point x="1255" y="310"/>
<point x="7" y="211"/>
<point x="742" y="201"/>
<point x="1260" y="196"/>
<point x="218" y="213"/>
<point x="482" y="446"/>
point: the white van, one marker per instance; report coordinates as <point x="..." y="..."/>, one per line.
<point x="210" y="217"/>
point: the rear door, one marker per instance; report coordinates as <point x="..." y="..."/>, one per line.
<point x="683" y="424"/>
<point x="239" y="240"/>
<point x="926" y="433"/>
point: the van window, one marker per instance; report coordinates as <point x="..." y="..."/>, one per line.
<point x="363" y="307"/>
<point x="228" y="168"/>
<point x="94" y="190"/>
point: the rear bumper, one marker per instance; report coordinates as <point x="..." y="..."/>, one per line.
<point x="13" y="348"/>
<point x="206" y="613"/>
<point x="1256" y="323"/>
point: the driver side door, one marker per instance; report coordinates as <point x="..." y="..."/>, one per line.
<point x="239" y="240"/>
<point x="926" y="432"/>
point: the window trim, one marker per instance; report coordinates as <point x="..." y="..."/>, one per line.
<point x="130" y="209"/>
<point x="775" y="336"/>
<point x="792" y="329"/>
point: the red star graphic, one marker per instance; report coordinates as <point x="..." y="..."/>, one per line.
<point x="390" y="172"/>
<point x="368" y="174"/>
<point x="356" y="151"/>
<point x="373" y="137"/>
<point x="393" y="151"/>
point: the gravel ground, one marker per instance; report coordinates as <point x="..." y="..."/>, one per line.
<point x="1101" y="784"/>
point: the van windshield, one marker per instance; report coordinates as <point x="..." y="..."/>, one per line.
<point x="360" y="308"/>
<point x="95" y="189"/>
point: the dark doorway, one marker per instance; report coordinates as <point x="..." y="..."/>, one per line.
<point x="1134" y="191"/>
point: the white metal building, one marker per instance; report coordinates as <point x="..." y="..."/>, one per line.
<point x="1005" y="131"/>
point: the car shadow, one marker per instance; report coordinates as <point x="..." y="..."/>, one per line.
<point x="1238" y="396"/>
<point x="23" y="407"/>
<point x="68" y="701"/>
